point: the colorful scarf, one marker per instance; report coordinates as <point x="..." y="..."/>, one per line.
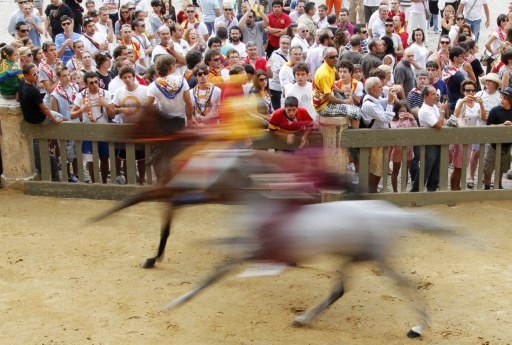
<point x="48" y="70"/>
<point x="168" y="88"/>
<point x="9" y="69"/>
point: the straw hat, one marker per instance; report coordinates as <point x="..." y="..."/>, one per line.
<point x="491" y="77"/>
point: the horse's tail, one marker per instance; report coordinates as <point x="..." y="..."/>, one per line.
<point x="158" y="194"/>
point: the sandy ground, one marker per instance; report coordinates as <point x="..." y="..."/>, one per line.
<point x="62" y="282"/>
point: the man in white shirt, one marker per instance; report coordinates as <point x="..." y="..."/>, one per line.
<point x="302" y="89"/>
<point x="315" y="55"/>
<point x="278" y="58"/>
<point x="299" y="11"/>
<point x="191" y="22"/>
<point x="93" y="40"/>
<point x="228" y="18"/>
<point x="301" y="38"/>
<point x="128" y="101"/>
<point x="127" y="40"/>
<point x="286" y="72"/>
<point x="377" y="112"/>
<point x="181" y="47"/>
<point x="166" y="46"/>
<point x="235" y="34"/>
<point x="321" y="23"/>
<point x="378" y="28"/>
<point x="472" y="10"/>
<point x="430" y="116"/>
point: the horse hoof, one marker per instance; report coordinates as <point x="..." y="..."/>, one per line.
<point x="299" y="322"/>
<point x="150" y="263"/>
<point x="413" y="334"/>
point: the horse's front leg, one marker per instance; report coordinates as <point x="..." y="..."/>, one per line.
<point x="312" y="313"/>
<point x="164" y="235"/>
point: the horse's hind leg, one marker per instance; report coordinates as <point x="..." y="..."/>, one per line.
<point x="219" y="273"/>
<point x="312" y="313"/>
<point x="411" y="294"/>
<point x="164" y="235"/>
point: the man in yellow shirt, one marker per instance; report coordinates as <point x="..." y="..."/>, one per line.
<point x="324" y="101"/>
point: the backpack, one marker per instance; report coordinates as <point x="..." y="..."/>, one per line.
<point x="362" y="124"/>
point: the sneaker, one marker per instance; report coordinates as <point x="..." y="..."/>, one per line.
<point x="120" y="179"/>
<point x="471" y="183"/>
<point x="509" y="174"/>
<point x="73" y="179"/>
<point x="355" y="179"/>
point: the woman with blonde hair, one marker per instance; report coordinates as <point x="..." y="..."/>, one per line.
<point x="194" y="40"/>
<point x="25" y="55"/>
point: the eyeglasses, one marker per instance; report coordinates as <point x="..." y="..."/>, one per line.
<point x="22" y="2"/>
<point x="470" y="90"/>
<point x="87" y="20"/>
<point x="28" y="55"/>
<point x="35" y="74"/>
<point x="364" y="32"/>
<point x="202" y="74"/>
<point x="303" y="31"/>
<point x="228" y="9"/>
<point x="24" y="30"/>
<point x="331" y="57"/>
<point x="445" y="42"/>
<point x="131" y="8"/>
<point x="190" y="11"/>
<point x="93" y="82"/>
<point x="388" y="24"/>
<point x="105" y="53"/>
<point x="65" y="23"/>
<point x="124" y="12"/>
<point x="216" y="59"/>
<point x="459" y="18"/>
<point x="262" y="79"/>
<point x="250" y="17"/>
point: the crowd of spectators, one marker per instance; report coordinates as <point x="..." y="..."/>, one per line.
<point x="293" y="62"/>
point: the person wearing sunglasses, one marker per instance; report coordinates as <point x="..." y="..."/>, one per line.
<point x="33" y="108"/>
<point x="193" y="22"/>
<point x="93" y="40"/>
<point x="11" y="26"/>
<point x="33" y="22"/>
<point x="25" y="56"/>
<point x="456" y="28"/>
<point x="324" y="101"/>
<point x="156" y="20"/>
<point x="54" y="12"/>
<point x="64" y="41"/>
<point x="205" y="98"/>
<point x="227" y="17"/>
<point x="22" y="30"/>
<point x="301" y="38"/>
<point x="139" y="36"/>
<point x="93" y="105"/>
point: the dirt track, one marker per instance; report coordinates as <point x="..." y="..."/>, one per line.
<point x="64" y="283"/>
